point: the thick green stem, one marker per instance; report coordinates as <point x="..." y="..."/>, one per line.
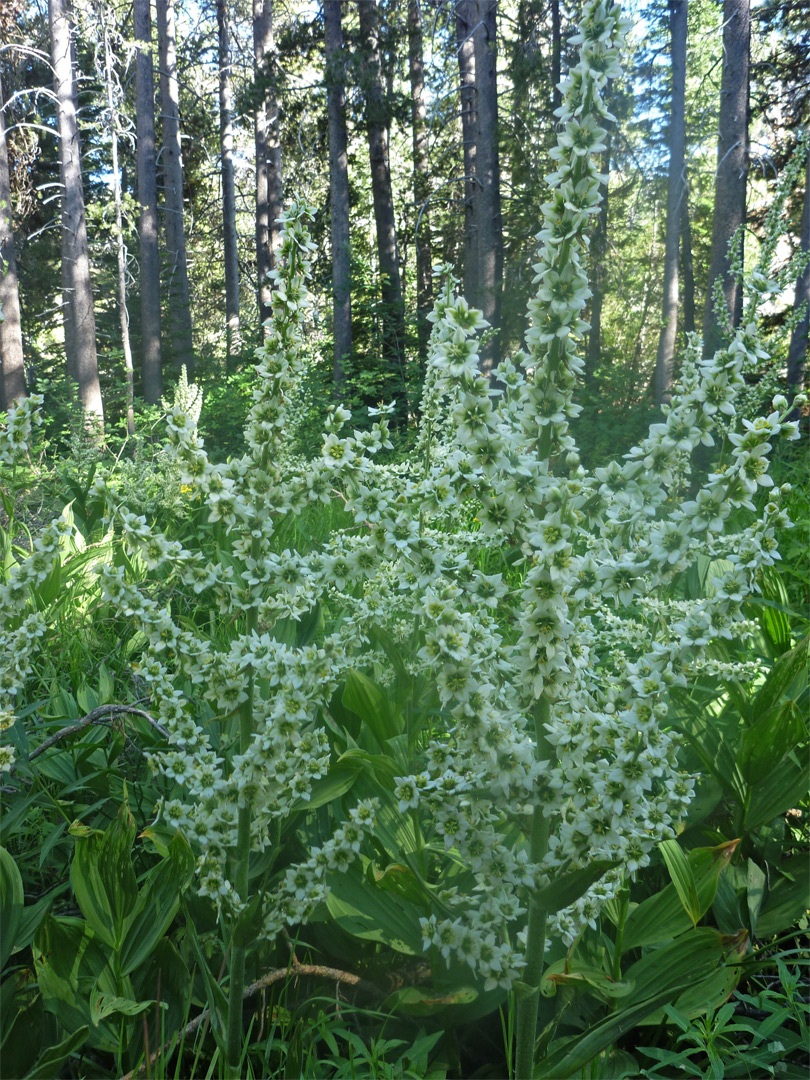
<point x="526" y="1019"/>
<point x="241" y="879"/>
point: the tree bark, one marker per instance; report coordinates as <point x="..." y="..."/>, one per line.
<point x="421" y="183"/>
<point x="465" y="24"/>
<point x="269" y="195"/>
<point x="12" y="376"/>
<point x="338" y="190"/>
<point x="78" y="304"/>
<point x="732" y="169"/>
<point x="151" y="354"/>
<point x="598" y="272"/>
<point x="676" y="195"/>
<point x="487" y="202"/>
<point x="121" y="253"/>
<point x="556" y="55"/>
<point x="687" y="266"/>
<point x="393" y="315"/>
<point x="797" y="351"/>
<point x="233" y="342"/>
<point x="180" y="334"/>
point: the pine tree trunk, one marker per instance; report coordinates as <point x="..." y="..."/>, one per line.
<point x="393" y="314"/>
<point x="598" y="272"/>
<point x="232" y="329"/>
<point x="487" y="202"/>
<point x="76" y="268"/>
<point x="797" y="352"/>
<point x="12" y="376"/>
<point x="421" y="183"/>
<point x="121" y="252"/>
<point x="465" y="24"/>
<point x="151" y="354"/>
<point x="732" y="169"/>
<point x="556" y="55"/>
<point x="687" y="267"/>
<point x="338" y="190"/>
<point x="676" y="196"/>
<point x="269" y="197"/>
<point x="180" y="335"/>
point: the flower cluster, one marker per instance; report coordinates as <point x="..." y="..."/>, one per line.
<point x="551" y="675"/>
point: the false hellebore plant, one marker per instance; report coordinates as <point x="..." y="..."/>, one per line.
<point x="550" y="691"/>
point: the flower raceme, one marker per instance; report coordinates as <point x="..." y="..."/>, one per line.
<point x="583" y="635"/>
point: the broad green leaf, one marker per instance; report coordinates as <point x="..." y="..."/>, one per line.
<point x="32" y="916"/>
<point x="157" y="904"/>
<point x="683" y="878"/>
<point x="789" y="668"/>
<point x="775" y="734"/>
<point x="755" y="892"/>
<point x="662" y="917"/>
<point x="689" y="957"/>
<point x="50" y="1063"/>
<point x="703" y="995"/>
<point x="371" y="703"/>
<point x="415" y="1002"/>
<point x="217" y="1002"/>
<point x="781" y="790"/>
<point x="586" y="1047"/>
<point x="11" y="905"/>
<point x="340" y="778"/>
<point x="577" y="975"/>
<point x="70" y="963"/>
<point x="103" y="878"/>
<point x="103" y="1005"/>
<point x="568" y="888"/>
<point x="106" y="686"/>
<point x="788" y="898"/>
<point x="369" y="913"/>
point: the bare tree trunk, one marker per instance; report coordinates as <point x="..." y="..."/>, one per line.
<point x="151" y="354"/>
<point x="76" y="255"/>
<point x="387" y="251"/>
<point x="12" y="377"/>
<point x="676" y="195"/>
<point x="556" y="55"/>
<point x="599" y="271"/>
<point x="233" y="342"/>
<point x="338" y="190"/>
<point x="421" y="183"/>
<point x="487" y="203"/>
<point x="732" y="168"/>
<point x="269" y="196"/>
<point x="180" y="336"/>
<point x="687" y="266"/>
<point x="465" y="25"/>
<point x="123" y="314"/>
<point x="797" y="352"/>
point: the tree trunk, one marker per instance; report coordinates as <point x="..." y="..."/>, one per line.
<point x="182" y="348"/>
<point x="81" y="340"/>
<point x="338" y="190"/>
<point x="393" y="315"/>
<point x="233" y="342"/>
<point x="687" y="266"/>
<point x="797" y="352"/>
<point x="732" y="169"/>
<point x="599" y="271"/>
<point x="151" y="355"/>
<point x="676" y="195"/>
<point x="123" y="314"/>
<point x="269" y="197"/>
<point x="465" y="24"/>
<point x="421" y="184"/>
<point x="12" y="376"/>
<point x="487" y="202"/>
<point x="556" y="55"/>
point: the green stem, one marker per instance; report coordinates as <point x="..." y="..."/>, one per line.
<point x="526" y="1019"/>
<point x="241" y="877"/>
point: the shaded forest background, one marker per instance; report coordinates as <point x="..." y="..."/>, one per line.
<point x="138" y="230"/>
